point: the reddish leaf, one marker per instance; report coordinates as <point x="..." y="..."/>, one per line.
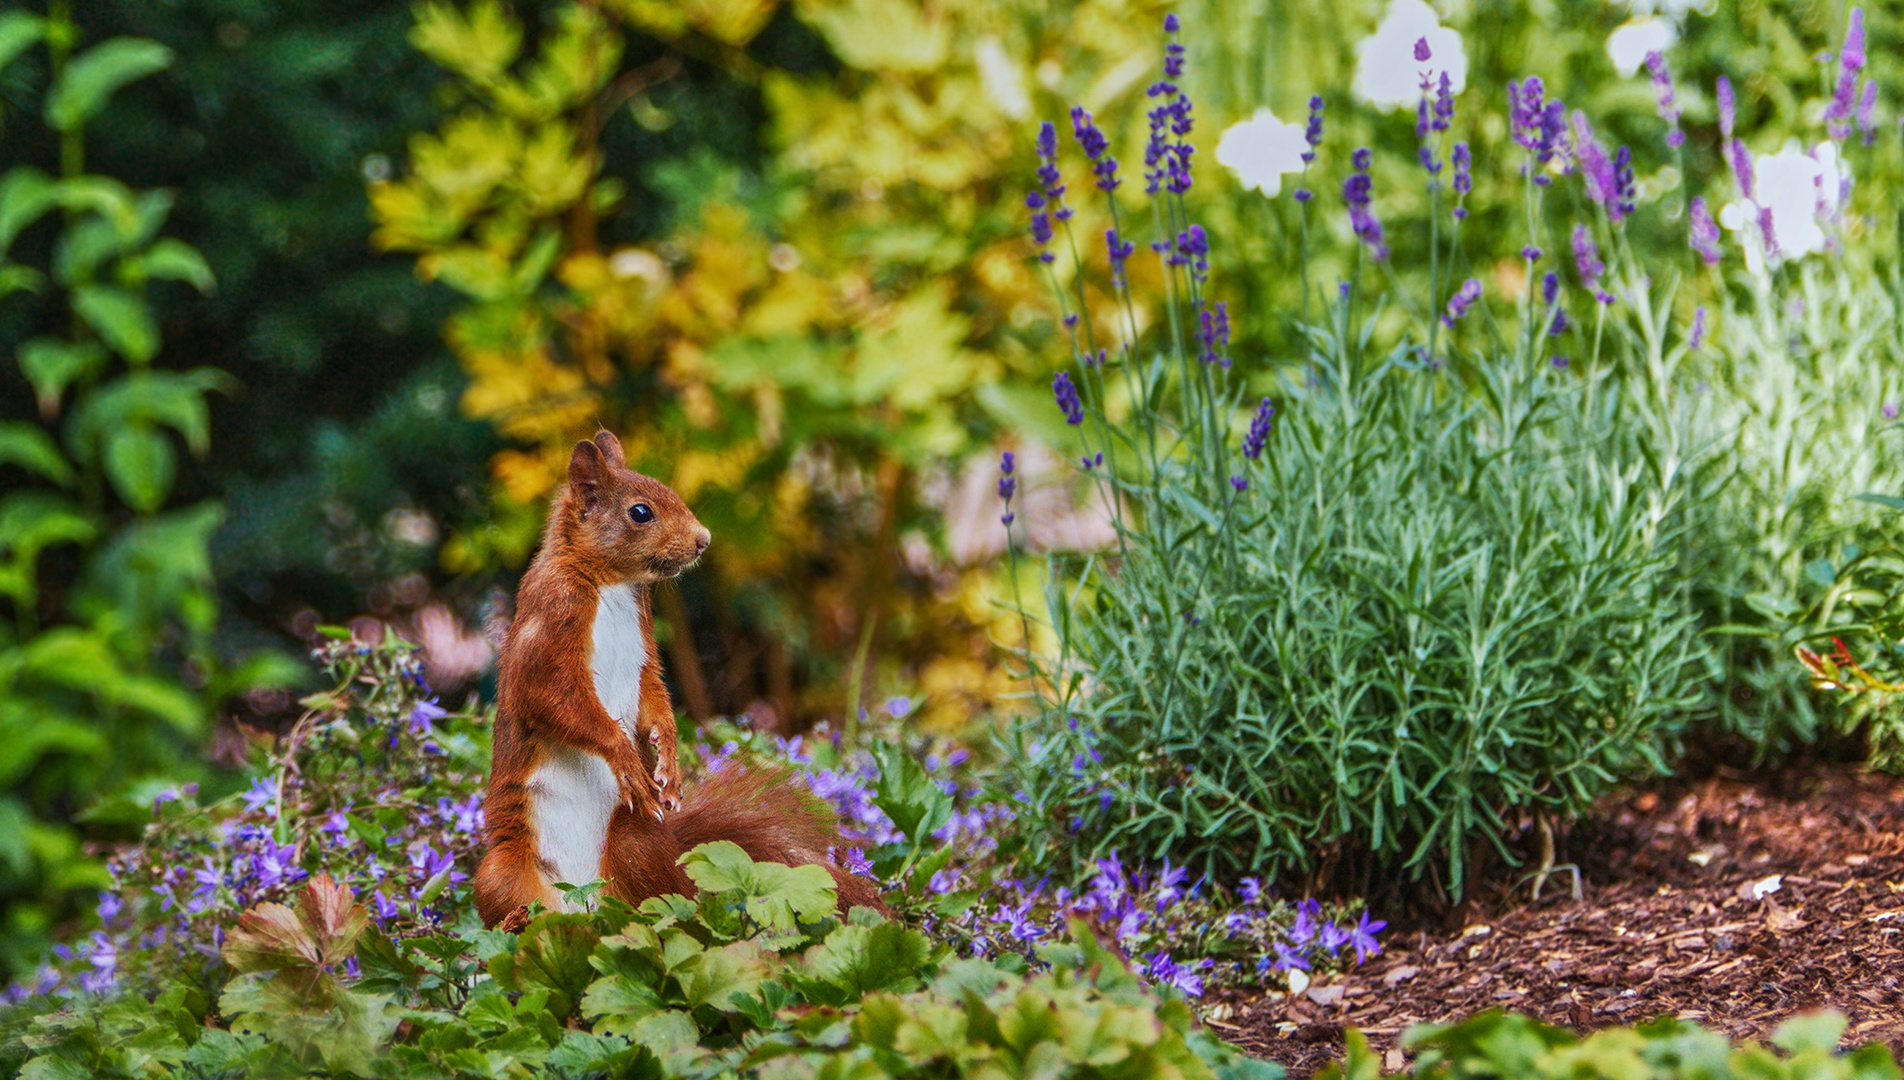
<point x="322" y="932"/>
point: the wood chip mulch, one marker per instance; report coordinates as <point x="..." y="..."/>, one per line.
<point x="1735" y="903"/>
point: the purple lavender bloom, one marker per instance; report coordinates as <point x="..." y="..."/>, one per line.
<point x="1240" y="483"/>
<point x="1625" y="192"/>
<point x="1461" y="301"/>
<point x="1742" y="167"/>
<point x="1868" y="112"/>
<point x="1166" y="163"/>
<point x="1550" y="295"/>
<point x="1850" y="65"/>
<point x="1668" y="104"/>
<point x="1096" y="148"/>
<point x="1890" y="410"/>
<point x="1698" y="335"/>
<point x="425" y="714"/>
<point x="1313" y="133"/>
<point x="1765" y="231"/>
<point x="1357" y="191"/>
<point x="1303" y="195"/>
<point x="1120" y="251"/>
<point x="1253" y="445"/>
<point x="1429" y="162"/>
<point x="1192" y="250"/>
<point x="1463" y="177"/>
<point x="1604" y="181"/>
<point x="1444" y="104"/>
<point x="1213" y="334"/>
<point x="1703" y="231"/>
<point x="1067" y="395"/>
<point x="1170" y="23"/>
<point x="1560" y="363"/>
<point x="1422" y="53"/>
<point x="1539" y="125"/>
<point x="1531" y="253"/>
<point x="1586" y="259"/>
<point x="1040" y="225"/>
<point x="1728" y="109"/>
<point x="1363" y="938"/>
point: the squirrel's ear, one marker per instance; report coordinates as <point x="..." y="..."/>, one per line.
<point x="611" y="448"/>
<point x="588" y="469"/>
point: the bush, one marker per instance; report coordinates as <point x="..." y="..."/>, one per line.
<point x="1434" y="597"/>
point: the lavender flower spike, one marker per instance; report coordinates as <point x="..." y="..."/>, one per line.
<point x="1728" y="109"/>
<point x="1357" y="191"/>
<point x="1007" y="485"/>
<point x="1850" y="65"/>
<point x="1463" y="178"/>
<point x="1120" y="253"/>
<point x="1258" y="430"/>
<point x="1461" y="301"/>
<point x="1704" y="232"/>
<point x="1698" y="336"/>
<point x="1313" y="133"/>
<point x="1096" y="147"/>
<point x="1067" y="395"/>
<point x="1668" y="105"/>
<point x="1586" y="259"/>
<point x="1603" y="185"/>
<point x="1868" y="112"/>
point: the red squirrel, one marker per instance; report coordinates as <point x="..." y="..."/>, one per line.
<point x="585" y="782"/>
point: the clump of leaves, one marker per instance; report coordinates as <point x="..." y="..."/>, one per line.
<point x="756" y="975"/>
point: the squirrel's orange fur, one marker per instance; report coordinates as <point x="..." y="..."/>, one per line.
<point x="600" y="784"/>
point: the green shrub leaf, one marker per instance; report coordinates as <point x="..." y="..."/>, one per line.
<point x="92" y="76"/>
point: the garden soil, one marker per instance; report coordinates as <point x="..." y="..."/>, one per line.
<point x="1733" y="902"/>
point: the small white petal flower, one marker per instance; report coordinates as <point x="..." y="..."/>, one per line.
<point x="1260" y="150"/>
<point x="1386" y="71"/>
<point x="1804" y="191"/>
<point x="1629" y="45"/>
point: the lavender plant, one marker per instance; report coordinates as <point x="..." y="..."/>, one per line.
<point x="1432" y="598"/>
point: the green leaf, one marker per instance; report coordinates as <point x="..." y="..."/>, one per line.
<point x="122" y="320"/>
<point x="167" y="398"/>
<point x="1819" y="1031"/>
<point x="30" y="447"/>
<point x="552" y="954"/>
<point x="859" y="960"/>
<point x="141" y="464"/>
<point x="715" y="976"/>
<point x="52" y="365"/>
<point x="92" y="76"/>
<point x="26" y="193"/>
<point x="19" y="31"/>
<point x="777" y="897"/>
<point x="480" y="47"/>
<point x="176" y="260"/>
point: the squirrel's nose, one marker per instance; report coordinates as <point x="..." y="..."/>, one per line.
<point x="701" y="538"/>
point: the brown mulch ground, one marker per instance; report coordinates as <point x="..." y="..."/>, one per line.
<point x="1668" y="925"/>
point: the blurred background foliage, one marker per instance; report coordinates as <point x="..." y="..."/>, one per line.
<point x="779" y="247"/>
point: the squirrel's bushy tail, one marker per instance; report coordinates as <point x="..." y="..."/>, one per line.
<point x="768" y="812"/>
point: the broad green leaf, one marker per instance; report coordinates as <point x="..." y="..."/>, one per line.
<point x="176" y="260"/>
<point x="858" y="960"/>
<point x="122" y="320"/>
<point x="16" y="278"/>
<point x="480" y="47"/>
<point x="25" y="194"/>
<point x="154" y="569"/>
<point x="92" y="76"/>
<point x="169" y="398"/>
<point x="552" y="954"/>
<point x="30" y="447"/>
<point x="141" y="464"/>
<point x="716" y="975"/>
<point x="1819" y="1031"/>
<point x="31" y="730"/>
<point x="19" y="31"/>
<point x="52" y="366"/>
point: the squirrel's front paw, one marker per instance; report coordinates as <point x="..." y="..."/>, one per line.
<point x="637" y="791"/>
<point x="667" y="770"/>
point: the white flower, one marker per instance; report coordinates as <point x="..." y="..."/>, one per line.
<point x="1002" y="80"/>
<point x="1260" y="150"/>
<point x="1386" y="71"/>
<point x="1804" y="192"/>
<point x="1629" y="44"/>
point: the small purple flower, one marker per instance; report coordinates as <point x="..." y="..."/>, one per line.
<point x="262" y="795"/>
<point x="1550" y="295"/>
<point x="1170" y="23"/>
<point x="1444" y="104"/>
<point x="1539" y="125"/>
<point x="1728" y="109"/>
<point x="1213" y="333"/>
<point x="1333" y="937"/>
<point x="1303" y="195"/>
<point x="425" y="714"/>
<point x="857" y="862"/>
<point x="1560" y="363"/>
<point x="1240" y="483"/>
<point x="1586" y="259"/>
<point x="1422" y="52"/>
<point x="1703" y="231"/>
<point x="1358" y="192"/>
<point x="1193" y="250"/>
<point x="1596" y="167"/>
<point x="1698" y="335"/>
<point x="1463" y="177"/>
<point x="1461" y="301"/>
<point x="1741" y="159"/>
<point x="1313" y="133"/>
<point x="1258" y="432"/>
<point x="1625" y="192"/>
<point x="1362" y="938"/>
<point x="1531" y="253"/>
<point x="1890" y="410"/>
<point x="1067" y="395"/>
<point x="1040" y="226"/>
<point x="1303" y="930"/>
<point x="1765" y="231"/>
<point x="1120" y="252"/>
<point x="383" y="907"/>
<point x="1095" y="147"/>
<point x="1250" y="889"/>
<point x="1850" y="65"/>
<point x="1868" y="112"/>
<point x="1668" y="104"/>
<point x="1288" y="959"/>
<point x="110" y="905"/>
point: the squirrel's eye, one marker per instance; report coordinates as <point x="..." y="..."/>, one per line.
<point x="641" y="514"/>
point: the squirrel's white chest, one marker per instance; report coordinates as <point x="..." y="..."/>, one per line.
<point x="619" y="654"/>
